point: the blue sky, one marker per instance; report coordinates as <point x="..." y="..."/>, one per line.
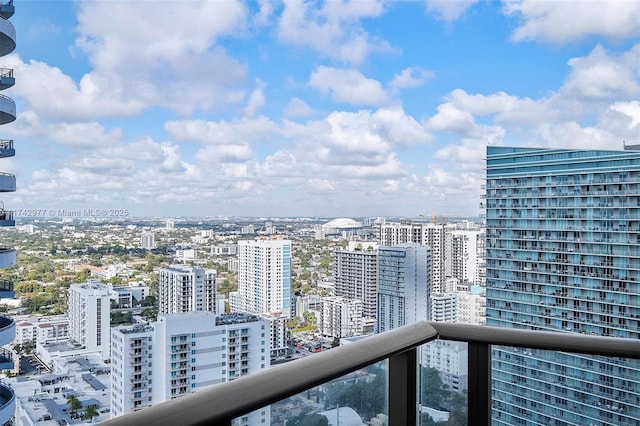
<point x="295" y="108"/>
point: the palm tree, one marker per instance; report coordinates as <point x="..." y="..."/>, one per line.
<point x="90" y="413"/>
<point x="74" y="404"/>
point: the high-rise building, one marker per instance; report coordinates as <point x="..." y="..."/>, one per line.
<point x="444" y="307"/>
<point x="340" y="317"/>
<point x="436" y="236"/>
<point x="89" y="310"/>
<point x="355" y="274"/>
<point x="467" y="256"/>
<point x="472" y="308"/>
<point x="7" y="184"/>
<point x="148" y="240"/>
<point x="563" y="255"/>
<point x="264" y="276"/>
<point x="131" y="368"/>
<point x="404" y="285"/>
<point x="183" y="353"/>
<point x="188" y="288"/>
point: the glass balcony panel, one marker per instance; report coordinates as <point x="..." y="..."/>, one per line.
<point x="360" y="395"/>
<point x="541" y="387"/>
<point x="443" y="383"/>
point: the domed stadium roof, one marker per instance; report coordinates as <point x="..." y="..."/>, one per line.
<point x="342" y="223"/>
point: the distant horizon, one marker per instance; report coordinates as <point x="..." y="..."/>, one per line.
<point x="301" y="109"/>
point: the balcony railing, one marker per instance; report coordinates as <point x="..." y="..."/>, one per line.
<point x="400" y="347"/>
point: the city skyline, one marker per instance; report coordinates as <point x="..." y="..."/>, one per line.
<point x="306" y="109"/>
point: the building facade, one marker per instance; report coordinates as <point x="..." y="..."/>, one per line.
<point x="404" y="285"/>
<point x="7" y="184"/>
<point x="148" y="240"/>
<point x="89" y="310"/>
<point x="264" y="276"/>
<point x="187" y="288"/>
<point x="466" y="256"/>
<point x="340" y="317"/>
<point x="355" y="274"/>
<point x="183" y="353"/>
<point x="563" y="255"/>
<point x="434" y="235"/>
<point x="444" y="307"/>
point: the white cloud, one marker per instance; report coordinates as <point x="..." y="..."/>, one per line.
<point x="449" y="10"/>
<point x="451" y="119"/>
<point x="411" y="77"/>
<point x="255" y="102"/>
<point x="246" y="130"/>
<point x="145" y="61"/>
<point x="400" y="129"/>
<point x="601" y="76"/>
<point x="224" y="154"/>
<point x="630" y="109"/>
<point x="298" y="108"/>
<point x="264" y="15"/>
<point x="570" y="21"/>
<point x="504" y="107"/>
<point x="348" y="86"/>
<point x="88" y="135"/>
<point x="333" y="30"/>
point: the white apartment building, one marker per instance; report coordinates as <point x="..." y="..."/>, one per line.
<point x="131" y="368"/>
<point x="90" y="315"/>
<point x="224" y="250"/>
<point x="148" y="240"/>
<point x="450" y="359"/>
<point x="444" y="307"/>
<point x="183" y="353"/>
<point x="264" y="276"/>
<point x="130" y="294"/>
<point x="472" y="308"/>
<point x="404" y="285"/>
<point x="279" y="330"/>
<point x="188" y="288"/>
<point x="41" y="329"/>
<point x="355" y="274"/>
<point x="340" y="317"/>
<point x="436" y="236"/>
<point x="467" y="257"/>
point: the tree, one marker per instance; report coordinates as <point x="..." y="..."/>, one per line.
<point x="90" y="413"/>
<point x="308" y="420"/>
<point x="74" y="404"/>
<point x="433" y="392"/>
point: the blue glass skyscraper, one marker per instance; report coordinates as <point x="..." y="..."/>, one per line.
<point x="563" y="254"/>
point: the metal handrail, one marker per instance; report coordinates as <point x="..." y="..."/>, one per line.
<point x="6" y="143"/>
<point x="6" y="72"/>
<point x="249" y="393"/>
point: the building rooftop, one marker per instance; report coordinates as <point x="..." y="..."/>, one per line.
<point x="236" y="318"/>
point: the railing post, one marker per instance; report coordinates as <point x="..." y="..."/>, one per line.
<point x="402" y="392"/>
<point x="479" y="412"/>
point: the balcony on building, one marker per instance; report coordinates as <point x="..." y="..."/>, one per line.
<point x="6" y="78"/>
<point x="7" y="218"/>
<point x="7" y="257"/>
<point x="7" y="182"/>
<point x="7" y="330"/>
<point x="7" y="34"/>
<point x="395" y="354"/>
<point x="6" y="148"/>
<point x="7" y="109"/>
<point x="7" y="9"/>
<point x="7" y="405"/>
